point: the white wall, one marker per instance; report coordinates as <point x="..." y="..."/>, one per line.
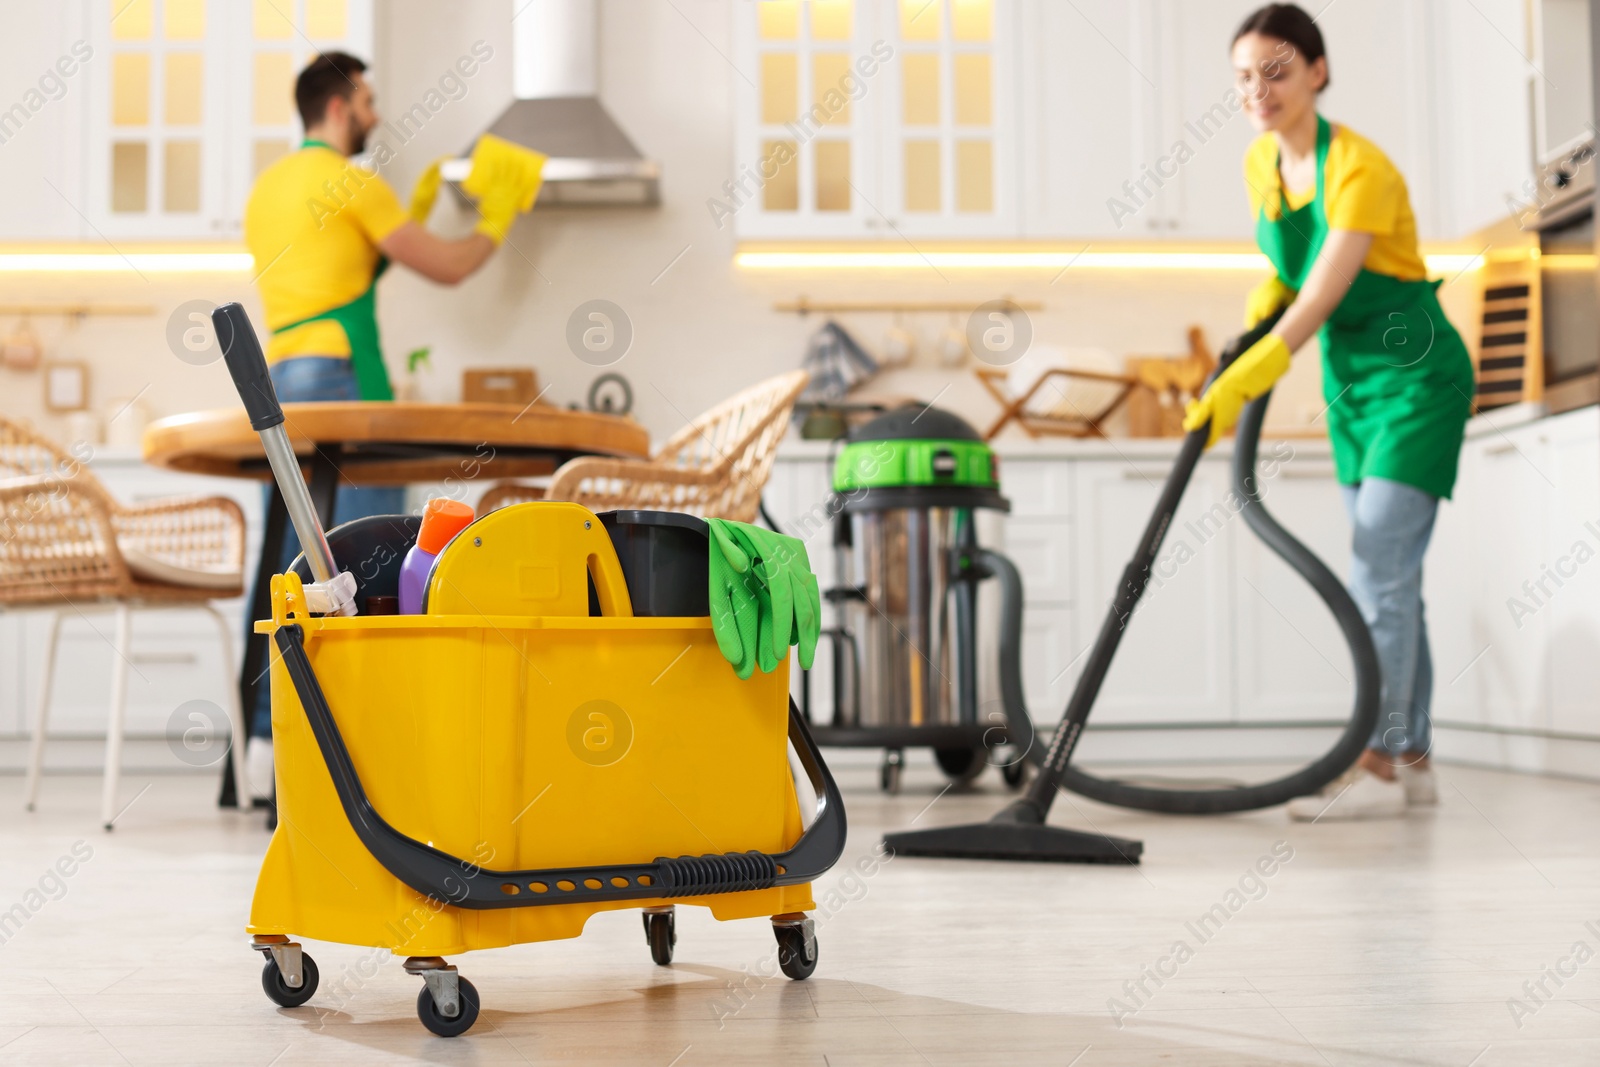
<point x="702" y="329"/>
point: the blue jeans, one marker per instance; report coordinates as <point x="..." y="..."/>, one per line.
<point x="298" y="379"/>
<point x="1393" y="522"/>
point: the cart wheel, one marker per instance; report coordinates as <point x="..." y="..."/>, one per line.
<point x="428" y="1011"/>
<point x="961" y="764"/>
<point x="889" y="771"/>
<point x="792" y="952"/>
<point x="280" y="991"/>
<point x="661" y="929"/>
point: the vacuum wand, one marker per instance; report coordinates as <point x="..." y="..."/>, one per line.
<point x="1135" y="578"/>
<point x="247" y="364"/>
<point x="1019" y="831"/>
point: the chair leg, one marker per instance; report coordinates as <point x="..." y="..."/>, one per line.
<point x="238" y="726"/>
<point x="119" y="704"/>
<point x="41" y="718"/>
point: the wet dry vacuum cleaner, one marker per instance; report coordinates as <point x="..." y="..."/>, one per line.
<point x="912" y="483"/>
<point x="906" y="488"/>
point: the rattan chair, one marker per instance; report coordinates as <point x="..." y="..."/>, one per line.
<point x="67" y="547"/>
<point x="715" y="467"/>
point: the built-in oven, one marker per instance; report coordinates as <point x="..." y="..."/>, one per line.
<point x="1569" y="304"/>
<point x="1563" y="215"/>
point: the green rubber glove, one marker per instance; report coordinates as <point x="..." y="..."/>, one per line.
<point x="764" y="597"/>
<point x="773" y="611"/>
<point x="733" y="588"/>
<point x="793" y="591"/>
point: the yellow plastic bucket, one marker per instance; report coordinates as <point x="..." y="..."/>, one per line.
<point x="517" y="742"/>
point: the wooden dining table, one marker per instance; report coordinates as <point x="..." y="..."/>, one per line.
<point x="353" y="443"/>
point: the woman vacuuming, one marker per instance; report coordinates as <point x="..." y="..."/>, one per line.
<point x="1334" y="218"/>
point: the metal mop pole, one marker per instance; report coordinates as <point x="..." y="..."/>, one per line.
<point x="248" y="365"/>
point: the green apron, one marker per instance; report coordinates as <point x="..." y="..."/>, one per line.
<point x="359" y="320"/>
<point x="1396" y="375"/>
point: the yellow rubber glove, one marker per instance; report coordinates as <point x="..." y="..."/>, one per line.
<point x="425" y="192"/>
<point x="1246" y="378"/>
<point x="505" y="181"/>
<point x="1265" y="300"/>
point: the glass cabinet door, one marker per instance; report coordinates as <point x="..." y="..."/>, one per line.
<point x="808" y="70"/>
<point x="947" y="133"/>
<point x="155" y="156"/>
<point x="872" y="118"/>
<point x="195" y="99"/>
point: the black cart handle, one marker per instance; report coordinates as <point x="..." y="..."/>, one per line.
<point x="464" y="884"/>
<point x="241" y="351"/>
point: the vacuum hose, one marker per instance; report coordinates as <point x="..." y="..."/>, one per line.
<point x="1307" y="780"/>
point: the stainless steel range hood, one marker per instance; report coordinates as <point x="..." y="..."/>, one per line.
<point x="557" y="111"/>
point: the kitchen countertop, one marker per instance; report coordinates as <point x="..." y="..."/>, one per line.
<point x="1306" y="446"/>
<point x="794" y="450"/>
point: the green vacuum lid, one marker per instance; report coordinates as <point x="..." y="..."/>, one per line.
<point x="915" y="446"/>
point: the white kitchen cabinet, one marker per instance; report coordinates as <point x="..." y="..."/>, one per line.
<point x="1117" y="119"/>
<point x="1485" y="141"/>
<point x="1572" y="552"/>
<point x="170" y="110"/>
<point x="1510" y="618"/>
<point x="1053" y="648"/>
<point x="13" y="699"/>
<point x="1085" y="120"/>
<point x="1042" y="550"/>
<point x="1512" y="583"/>
<point x="1200" y="130"/>
<point x="44" y="105"/>
<point x="1175" y="662"/>
<point x="1229" y="635"/>
<point x="1294" y="664"/>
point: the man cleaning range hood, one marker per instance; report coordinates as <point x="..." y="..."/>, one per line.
<point x="557" y="111"/>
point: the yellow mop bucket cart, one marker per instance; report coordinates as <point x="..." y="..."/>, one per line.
<point x="525" y="753"/>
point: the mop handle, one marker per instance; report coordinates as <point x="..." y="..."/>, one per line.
<point x="248" y="366"/>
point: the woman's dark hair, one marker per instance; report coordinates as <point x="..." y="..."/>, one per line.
<point x="1290" y="23"/>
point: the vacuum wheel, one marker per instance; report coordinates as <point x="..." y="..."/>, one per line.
<point x="894" y="762"/>
<point x="792" y="955"/>
<point x="961" y="764"/>
<point x="660" y="929"/>
<point x="428" y="1011"/>
<point x="1015" y="773"/>
<point x="280" y="991"/>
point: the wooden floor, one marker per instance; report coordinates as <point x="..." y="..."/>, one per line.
<point x="1405" y="942"/>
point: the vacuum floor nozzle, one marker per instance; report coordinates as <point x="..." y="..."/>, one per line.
<point x="1007" y="840"/>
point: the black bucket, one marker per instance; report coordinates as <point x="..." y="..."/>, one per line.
<point x="664" y="557"/>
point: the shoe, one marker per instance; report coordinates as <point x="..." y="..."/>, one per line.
<point x="1421" y="786"/>
<point x="258" y="765"/>
<point x="1355" y="794"/>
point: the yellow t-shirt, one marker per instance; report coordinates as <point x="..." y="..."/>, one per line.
<point x="1362" y="191"/>
<point x="313" y="224"/>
